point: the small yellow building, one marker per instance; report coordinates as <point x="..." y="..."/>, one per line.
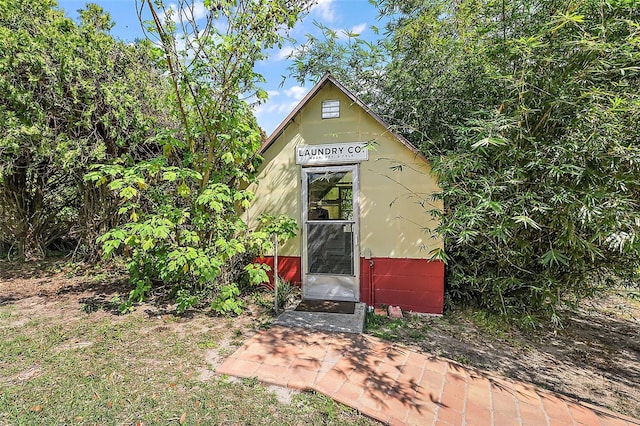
<point x="360" y="194"/>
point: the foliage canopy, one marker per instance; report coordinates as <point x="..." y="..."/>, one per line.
<point x="70" y="95"/>
<point x="147" y="146"/>
<point x="529" y="112"/>
<point x="183" y="226"/>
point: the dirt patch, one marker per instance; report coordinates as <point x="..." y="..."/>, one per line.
<point x="25" y="375"/>
<point x="595" y="358"/>
<point x="58" y="325"/>
<point x="68" y="292"/>
<point x="56" y="281"/>
<point x="58" y="292"/>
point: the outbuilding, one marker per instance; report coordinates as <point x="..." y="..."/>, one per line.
<point x="361" y="195"/>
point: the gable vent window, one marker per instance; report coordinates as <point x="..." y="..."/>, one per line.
<point x="330" y="109"/>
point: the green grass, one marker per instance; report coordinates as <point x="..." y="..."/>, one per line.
<point x="415" y="330"/>
<point x="104" y="369"/>
<point x="406" y="329"/>
<point x="387" y="328"/>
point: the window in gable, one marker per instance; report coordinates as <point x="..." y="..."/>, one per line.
<point x="331" y="109"/>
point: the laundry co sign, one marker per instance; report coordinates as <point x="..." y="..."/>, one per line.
<point x="353" y="152"/>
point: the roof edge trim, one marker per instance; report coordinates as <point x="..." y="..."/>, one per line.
<point x="327" y="77"/>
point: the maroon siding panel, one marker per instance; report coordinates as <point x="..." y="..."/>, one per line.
<point x="289" y="269"/>
<point x="365" y="293"/>
<point x="413" y="284"/>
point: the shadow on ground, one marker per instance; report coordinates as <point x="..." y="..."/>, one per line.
<point x="92" y="288"/>
<point x="594" y="358"/>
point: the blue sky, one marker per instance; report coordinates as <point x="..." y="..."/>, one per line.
<point x="349" y="15"/>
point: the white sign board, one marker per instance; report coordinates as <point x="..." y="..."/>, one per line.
<point x="353" y="152"/>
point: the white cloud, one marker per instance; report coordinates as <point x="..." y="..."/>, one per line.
<point x="281" y="108"/>
<point x="326" y="10"/>
<point x="295" y="92"/>
<point x="286" y="108"/>
<point x="279" y="104"/>
<point x="194" y="13"/>
<point x="199" y="11"/>
<point x="356" y="29"/>
<point x="285" y="52"/>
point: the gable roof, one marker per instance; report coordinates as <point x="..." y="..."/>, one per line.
<point x="327" y="77"/>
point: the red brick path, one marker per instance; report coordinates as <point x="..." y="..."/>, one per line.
<point x="401" y="387"/>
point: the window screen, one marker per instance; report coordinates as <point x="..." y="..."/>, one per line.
<point x="331" y="109"/>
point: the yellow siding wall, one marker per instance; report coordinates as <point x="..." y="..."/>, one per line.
<point x="392" y="219"/>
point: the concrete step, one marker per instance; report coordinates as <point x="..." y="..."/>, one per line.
<point x="323" y="321"/>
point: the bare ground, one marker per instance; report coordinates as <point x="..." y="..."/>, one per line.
<point x="67" y="357"/>
<point x="595" y="358"/>
<point x="67" y="293"/>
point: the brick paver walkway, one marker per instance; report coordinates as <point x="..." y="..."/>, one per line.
<point x="401" y="387"/>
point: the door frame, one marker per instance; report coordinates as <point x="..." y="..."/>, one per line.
<point x="309" y="281"/>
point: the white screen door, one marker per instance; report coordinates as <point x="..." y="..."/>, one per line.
<point x="330" y="258"/>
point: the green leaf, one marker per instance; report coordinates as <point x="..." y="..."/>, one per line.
<point x="128" y="193"/>
<point x="438" y="254"/>
<point x="148" y="244"/>
<point x="184" y="190"/>
<point x="116" y="184"/>
<point x="526" y="221"/>
<point x="169" y="176"/>
<point x="554" y="257"/>
<point x="489" y="141"/>
<point x="227" y="157"/>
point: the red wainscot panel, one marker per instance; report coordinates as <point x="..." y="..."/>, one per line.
<point x="365" y="281"/>
<point x="413" y="284"/>
<point x="289" y="269"/>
